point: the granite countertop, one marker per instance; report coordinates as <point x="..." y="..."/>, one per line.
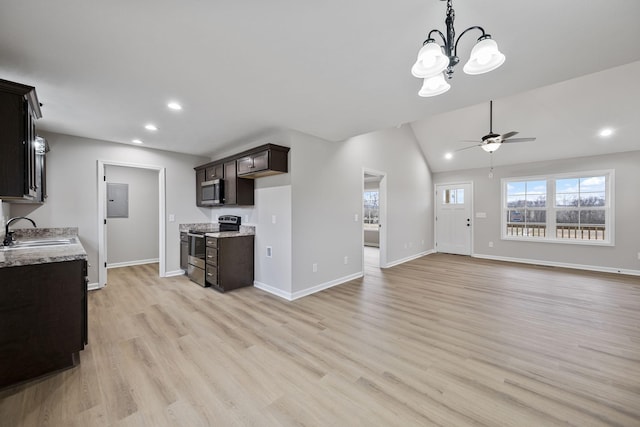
<point x="224" y="234"/>
<point x="43" y="254"/>
<point x="212" y="230"/>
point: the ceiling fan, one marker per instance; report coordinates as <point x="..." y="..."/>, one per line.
<point x="492" y="141"/>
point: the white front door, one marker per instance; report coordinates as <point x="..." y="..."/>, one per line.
<point x="453" y="218"/>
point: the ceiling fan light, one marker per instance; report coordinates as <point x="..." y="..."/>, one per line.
<point x="433" y="86"/>
<point x="485" y="57"/>
<point x="431" y="61"/>
<point x="491" y="146"/>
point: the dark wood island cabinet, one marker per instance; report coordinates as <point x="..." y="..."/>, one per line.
<point x="43" y="319"/>
<point x="229" y="262"/>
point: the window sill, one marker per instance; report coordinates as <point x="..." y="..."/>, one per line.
<point x="561" y="241"/>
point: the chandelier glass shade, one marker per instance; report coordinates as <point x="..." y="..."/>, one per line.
<point x="484" y="57"/>
<point x="431" y="61"/>
<point x="439" y="60"/>
<point x="434" y="85"/>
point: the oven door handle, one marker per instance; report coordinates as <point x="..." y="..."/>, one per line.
<point x="196" y="235"/>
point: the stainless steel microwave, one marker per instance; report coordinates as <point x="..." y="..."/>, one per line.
<point x="212" y="192"/>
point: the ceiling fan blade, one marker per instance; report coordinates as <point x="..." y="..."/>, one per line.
<point x="508" y="135"/>
<point x="520" y="140"/>
<point x="466" y="148"/>
<point x="470" y="140"/>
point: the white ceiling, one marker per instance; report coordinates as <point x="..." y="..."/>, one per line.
<point x="333" y="69"/>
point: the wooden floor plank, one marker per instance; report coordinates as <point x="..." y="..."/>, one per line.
<point x="443" y="340"/>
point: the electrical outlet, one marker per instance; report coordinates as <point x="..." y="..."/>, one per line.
<point x="273" y="219"/>
<point x="355" y="217"/>
<point x="314" y="267"/>
<point x="639" y="255"/>
<point x="346" y="260"/>
<point x="172" y="218"/>
<point x="490" y="244"/>
<point x="269" y="252"/>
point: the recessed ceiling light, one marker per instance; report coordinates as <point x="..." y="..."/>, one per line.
<point x="606" y="132"/>
<point x="136" y="141"/>
<point x="150" y="127"/>
<point x="174" y="106"/>
<point x="448" y="156"/>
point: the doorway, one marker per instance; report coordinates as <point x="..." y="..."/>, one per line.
<point x="102" y="216"/>
<point x="374" y="215"/>
<point x="453" y="218"/>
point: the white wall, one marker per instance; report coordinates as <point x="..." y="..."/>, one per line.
<point x="487" y="195"/>
<point x="315" y="203"/>
<point x="327" y="194"/>
<point x="134" y="240"/>
<point x="72" y="189"/>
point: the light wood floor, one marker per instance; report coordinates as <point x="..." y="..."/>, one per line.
<point x="442" y="340"/>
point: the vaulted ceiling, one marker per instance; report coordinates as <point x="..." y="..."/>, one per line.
<point x="333" y="69"/>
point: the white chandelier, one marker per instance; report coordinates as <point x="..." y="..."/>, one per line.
<point x="435" y="60"/>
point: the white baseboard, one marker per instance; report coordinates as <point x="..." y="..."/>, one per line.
<point x="306" y="292"/>
<point x="326" y="285"/>
<point x="409" y="258"/>
<point x="272" y="290"/>
<point x="130" y="263"/>
<point x="560" y="264"/>
<point x="174" y="273"/>
<point x="94" y="286"/>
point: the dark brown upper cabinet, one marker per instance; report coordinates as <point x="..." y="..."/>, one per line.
<point x="238" y="172"/>
<point x="237" y="191"/>
<point x="214" y="172"/>
<point x="21" y="171"/>
<point x="264" y="161"/>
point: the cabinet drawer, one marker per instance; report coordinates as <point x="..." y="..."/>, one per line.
<point x="211" y="275"/>
<point x="212" y="256"/>
<point x="212" y="242"/>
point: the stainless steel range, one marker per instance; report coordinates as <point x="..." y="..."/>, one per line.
<point x="229" y="222"/>
<point x="197" y="249"/>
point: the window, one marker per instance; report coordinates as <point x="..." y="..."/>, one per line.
<point x="371" y="215"/>
<point x="576" y="208"/>
<point x="453" y="197"/>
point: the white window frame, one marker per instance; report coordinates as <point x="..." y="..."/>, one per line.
<point x="550" y="208"/>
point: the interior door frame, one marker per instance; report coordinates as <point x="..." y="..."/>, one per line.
<point x="382" y="194"/>
<point x="435" y="212"/>
<point x="102" y="216"/>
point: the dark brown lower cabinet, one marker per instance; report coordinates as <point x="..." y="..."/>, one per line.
<point x="43" y="319"/>
<point x="229" y="262"/>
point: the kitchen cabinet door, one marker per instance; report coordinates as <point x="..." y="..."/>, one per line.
<point x="230" y="184"/>
<point x="19" y="109"/>
<point x="214" y="172"/>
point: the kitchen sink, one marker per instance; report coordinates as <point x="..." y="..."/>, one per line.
<point x="39" y="243"/>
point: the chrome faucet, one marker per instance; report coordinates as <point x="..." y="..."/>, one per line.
<point x="8" y="235"/>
